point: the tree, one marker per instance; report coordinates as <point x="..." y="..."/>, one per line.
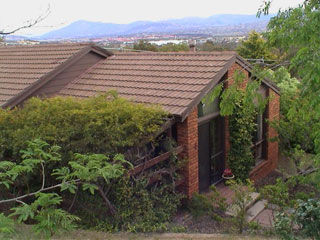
<point x="209" y="46"/>
<point x="91" y="171"/>
<point x="171" y="47"/>
<point x="255" y="47"/>
<point x="298" y="29"/>
<point x="145" y="46"/>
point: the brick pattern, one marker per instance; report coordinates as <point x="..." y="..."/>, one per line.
<point x="188" y="138"/>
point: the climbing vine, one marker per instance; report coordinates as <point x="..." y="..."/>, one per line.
<point x="241" y="106"/>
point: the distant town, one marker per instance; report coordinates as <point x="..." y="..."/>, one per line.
<point x="127" y="42"/>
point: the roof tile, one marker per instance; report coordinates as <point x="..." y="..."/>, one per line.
<point x="172" y="80"/>
<point x="22" y="66"/>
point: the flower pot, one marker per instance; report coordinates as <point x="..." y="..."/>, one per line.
<point x="226" y="178"/>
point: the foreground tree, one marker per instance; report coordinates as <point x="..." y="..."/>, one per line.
<point x="90" y="171"/>
<point x="297" y="30"/>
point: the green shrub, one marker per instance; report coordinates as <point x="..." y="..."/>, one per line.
<point x="200" y="205"/>
<point x="141" y="208"/>
<point x="99" y="130"/>
<point x="104" y="124"/>
<point x="308" y="217"/>
<point x="276" y="194"/>
<point x="212" y="204"/>
<point x="240" y="201"/>
<point x="283" y="226"/>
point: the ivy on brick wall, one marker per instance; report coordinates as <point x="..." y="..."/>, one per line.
<point x="241" y="105"/>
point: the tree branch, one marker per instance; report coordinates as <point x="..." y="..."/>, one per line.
<point x="16" y="199"/>
<point x="107" y="202"/>
<point x="43" y="177"/>
<point x="30" y="23"/>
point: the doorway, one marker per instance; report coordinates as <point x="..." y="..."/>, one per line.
<point x="210" y="152"/>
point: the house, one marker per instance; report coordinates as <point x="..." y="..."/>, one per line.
<point x="176" y="81"/>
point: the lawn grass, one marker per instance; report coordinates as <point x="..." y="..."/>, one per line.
<point x="24" y="232"/>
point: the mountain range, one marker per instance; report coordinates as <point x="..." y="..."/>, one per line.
<point x="217" y="24"/>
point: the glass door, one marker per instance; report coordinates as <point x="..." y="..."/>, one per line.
<point x="211" y="154"/>
<point x="216" y="149"/>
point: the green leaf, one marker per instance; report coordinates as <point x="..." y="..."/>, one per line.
<point x="91" y="187"/>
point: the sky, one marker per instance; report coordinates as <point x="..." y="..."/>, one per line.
<point x="15" y="13"/>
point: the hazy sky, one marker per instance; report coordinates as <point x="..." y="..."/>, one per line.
<point x="15" y="12"/>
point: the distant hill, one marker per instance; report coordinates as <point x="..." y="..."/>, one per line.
<point x="213" y="24"/>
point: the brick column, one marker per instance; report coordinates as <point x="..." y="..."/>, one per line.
<point x="187" y="132"/>
<point x="273" y="109"/>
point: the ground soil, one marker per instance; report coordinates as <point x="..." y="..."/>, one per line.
<point x="202" y="224"/>
<point x="268" y="180"/>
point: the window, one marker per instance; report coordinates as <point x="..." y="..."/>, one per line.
<point x="205" y="109"/>
<point x="259" y="140"/>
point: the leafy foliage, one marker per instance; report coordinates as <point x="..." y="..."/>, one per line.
<point x="308" y="217"/>
<point x="303" y="220"/>
<point x="241" y="105"/>
<point x="98" y="129"/>
<point x="49" y="219"/>
<point x="242" y="197"/>
<point x="210" y="46"/>
<point x="6" y="225"/>
<point x="145" y="46"/>
<point x="141" y="208"/>
<point x="89" y="170"/>
<point x="297" y="28"/>
<point x="283" y="226"/>
<point x="171" y="47"/>
<point x="212" y="204"/>
<point x="102" y="125"/>
<point x="296" y="126"/>
<point x="255" y="47"/>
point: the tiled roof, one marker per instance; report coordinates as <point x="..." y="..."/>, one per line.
<point x="23" y="66"/>
<point x="173" y="80"/>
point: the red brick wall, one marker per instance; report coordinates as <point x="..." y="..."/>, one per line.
<point x="187" y="134"/>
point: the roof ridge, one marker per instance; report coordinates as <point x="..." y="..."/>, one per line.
<point x="204" y="53"/>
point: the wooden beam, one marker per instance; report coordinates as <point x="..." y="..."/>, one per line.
<point x="139" y="168"/>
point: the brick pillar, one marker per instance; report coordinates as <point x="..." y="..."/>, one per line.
<point x="273" y="109"/>
<point x="187" y="132"/>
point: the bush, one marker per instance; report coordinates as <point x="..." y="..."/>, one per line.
<point x="141" y="209"/>
<point x="210" y="204"/>
<point x="308" y="217"/>
<point x="105" y="124"/>
<point x="240" y="201"/>
<point x="98" y="130"/>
